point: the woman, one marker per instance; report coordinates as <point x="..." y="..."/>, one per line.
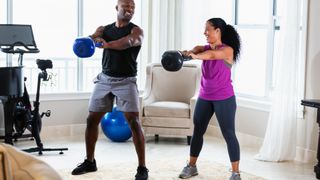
<point x="216" y="92"/>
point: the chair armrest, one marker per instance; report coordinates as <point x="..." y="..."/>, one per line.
<point x="194" y="98"/>
<point x="140" y="106"/>
<point x="144" y="98"/>
<point x="147" y="97"/>
<point x="193" y="101"/>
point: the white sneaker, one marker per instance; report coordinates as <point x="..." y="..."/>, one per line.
<point x="188" y="172"/>
<point x="235" y="176"/>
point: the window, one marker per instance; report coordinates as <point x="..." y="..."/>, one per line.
<point x="255" y="62"/>
<point x="193" y="22"/>
<point x="57" y="26"/>
<point x="93" y="17"/>
<point x="252" y="75"/>
<point x="260" y="47"/>
<point x="249" y="74"/>
<point x="3" y="11"/>
<point x="259" y="15"/>
<point x="54" y="26"/>
<point x="55" y="29"/>
<point x="3" y="20"/>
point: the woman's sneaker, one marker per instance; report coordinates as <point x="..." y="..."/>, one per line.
<point x="85" y="167"/>
<point x="235" y="176"/>
<point x="188" y="172"/>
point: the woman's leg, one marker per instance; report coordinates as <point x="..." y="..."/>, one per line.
<point x="202" y="115"/>
<point x="225" y="112"/>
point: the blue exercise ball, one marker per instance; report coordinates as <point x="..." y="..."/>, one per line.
<point x="115" y="126"/>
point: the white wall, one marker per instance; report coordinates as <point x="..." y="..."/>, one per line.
<point x="308" y="128"/>
<point x="64" y="114"/>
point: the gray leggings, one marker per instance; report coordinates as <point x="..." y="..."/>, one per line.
<point x="225" y="112"/>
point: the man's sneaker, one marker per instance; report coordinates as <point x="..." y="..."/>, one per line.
<point x="142" y="173"/>
<point x="188" y="171"/>
<point x="235" y="176"/>
<point x="85" y="167"/>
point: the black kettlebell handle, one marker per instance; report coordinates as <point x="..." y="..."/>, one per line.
<point x="186" y="58"/>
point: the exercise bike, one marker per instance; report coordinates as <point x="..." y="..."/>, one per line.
<point x="19" y="116"/>
<point x="26" y="118"/>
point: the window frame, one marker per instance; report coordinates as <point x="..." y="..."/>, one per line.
<point x="264" y="103"/>
<point x="265" y="99"/>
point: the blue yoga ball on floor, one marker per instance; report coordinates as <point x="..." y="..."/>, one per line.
<point x="115" y="126"/>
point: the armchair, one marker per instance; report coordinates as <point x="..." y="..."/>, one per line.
<point x="17" y="165"/>
<point x="167" y="104"/>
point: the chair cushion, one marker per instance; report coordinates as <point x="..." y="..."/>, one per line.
<point x="177" y="86"/>
<point x="167" y="109"/>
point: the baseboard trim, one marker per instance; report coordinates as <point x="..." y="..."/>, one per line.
<point x="245" y="140"/>
<point x="49" y="132"/>
<point x="305" y="155"/>
<point x="52" y="132"/>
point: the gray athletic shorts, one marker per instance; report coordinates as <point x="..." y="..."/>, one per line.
<point x="123" y="89"/>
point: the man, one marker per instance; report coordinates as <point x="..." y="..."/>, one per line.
<point x="121" y="43"/>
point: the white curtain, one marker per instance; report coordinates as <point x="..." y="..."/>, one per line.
<point x="280" y="139"/>
<point x="165" y="27"/>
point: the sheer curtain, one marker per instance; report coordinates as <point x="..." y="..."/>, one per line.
<point x="164" y="27"/>
<point x="280" y="139"/>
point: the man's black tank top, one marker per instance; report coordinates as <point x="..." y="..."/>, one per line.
<point x="119" y="63"/>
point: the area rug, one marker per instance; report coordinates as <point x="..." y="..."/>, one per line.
<point x="158" y="170"/>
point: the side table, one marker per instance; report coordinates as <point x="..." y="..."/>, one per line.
<point x="315" y="103"/>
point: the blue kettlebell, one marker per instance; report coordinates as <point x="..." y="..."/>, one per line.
<point x="84" y="47"/>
